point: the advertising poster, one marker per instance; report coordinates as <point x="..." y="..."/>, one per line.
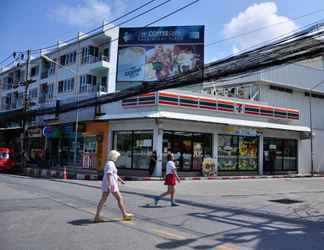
<point x="154" y="54"/>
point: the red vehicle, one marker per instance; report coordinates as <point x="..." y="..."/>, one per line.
<point x="6" y="159"/>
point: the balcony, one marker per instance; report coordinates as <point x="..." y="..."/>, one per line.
<point x="44" y="74"/>
<point x="96" y="64"/>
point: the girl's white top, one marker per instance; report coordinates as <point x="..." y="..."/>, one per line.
<point x="170" y="167"/>
<point x="110" y="168"/>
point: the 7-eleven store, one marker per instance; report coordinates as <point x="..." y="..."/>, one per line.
<point x="242" y="137"/>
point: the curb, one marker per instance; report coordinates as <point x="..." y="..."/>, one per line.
<point x="58" y="174"/>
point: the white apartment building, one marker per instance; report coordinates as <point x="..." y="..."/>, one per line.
<point x="84" y="68"/>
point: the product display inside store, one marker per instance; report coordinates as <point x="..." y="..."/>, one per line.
<point x="237" y="153"/>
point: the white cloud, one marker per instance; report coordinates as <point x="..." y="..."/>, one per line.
<point x="255" y="17"/>
<point x="87" y="14"/>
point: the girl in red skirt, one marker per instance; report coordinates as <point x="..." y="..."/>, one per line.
<point x="170" y="180"/>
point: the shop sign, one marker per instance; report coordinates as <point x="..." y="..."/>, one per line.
<point x="241" y="131"/>
<point x="155" y="54"/>
<point x="212" y="104"/>
<point x="52" y="132"/>
<point x="34" y="133"/>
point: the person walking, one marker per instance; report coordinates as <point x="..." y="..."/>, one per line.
<point x="152" y="163"/>
<point x="110" y="185"/>
<point x="170" y="181"/>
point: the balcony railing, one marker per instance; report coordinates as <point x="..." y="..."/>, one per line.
<point x="94" y="59"/>
<point x="87" y="88"/>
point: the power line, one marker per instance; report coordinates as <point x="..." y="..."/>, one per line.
<point x="146" y="12"/>
<point x="6" y="59"/>
<point x="99" y="27"/>
<point x="151" y="23"/>
<point x="149" y="2"/>
<point x="262" y="28"/>
<point x="129" y="20"/>
<point x="300" y="46"/>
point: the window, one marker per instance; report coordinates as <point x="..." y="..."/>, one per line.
<point x="106" y="54"/>
<point x="66" y="85"/>
<point x="33" y="93"/>
<point x="89" y="54"/>
<point x="103" y="84"/>
<point x="135" y="148"/>
<point x="315" y="95"/>
<point x="68" y="58"/>
<point x="60" y="86"/>
<point x="17" y="76"/>
<point x="51" y="68"/>
<point x="282" y="89"/>
<point x="237" y="153"/>
<point x="88" y="83"/>
<point x="34" y="71"/>
<point x="50" y="92"/>
<point x="46" y="92"/>
<point x="62" y="60"/>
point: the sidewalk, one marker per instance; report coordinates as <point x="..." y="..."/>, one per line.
<point x="83" y="174"/>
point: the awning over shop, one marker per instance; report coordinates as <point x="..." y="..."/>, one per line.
<point x="207" y="119"/>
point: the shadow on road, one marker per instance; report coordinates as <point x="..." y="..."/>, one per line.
<point x="268" y="231"/>
<point x="300" y="227"/>
<point x="82" y="222"/>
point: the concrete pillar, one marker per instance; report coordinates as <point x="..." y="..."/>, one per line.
<point x="158" y="147"/>
<point x="304" y="156"/>
<point x="215" y="150"/>
<point x="260" y="154"/>
<point x="110" y="140"/>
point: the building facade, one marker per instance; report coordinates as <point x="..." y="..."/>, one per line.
<point x="267" y="123"/>
<point x="82" y="69"/>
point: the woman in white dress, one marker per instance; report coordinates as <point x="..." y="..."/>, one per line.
<point x="110" y="184"/>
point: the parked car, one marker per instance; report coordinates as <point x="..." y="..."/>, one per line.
<point x="7" y="160"/>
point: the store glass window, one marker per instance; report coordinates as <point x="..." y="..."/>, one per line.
<point x="123" y="144"/>
<point x="135" y="148"/>
<point x="237" y="153"/>
<point x="189" y="149"/>
<point x="142" y="149"/>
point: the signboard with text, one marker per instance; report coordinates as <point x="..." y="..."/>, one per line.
<point x="153" y="54"/>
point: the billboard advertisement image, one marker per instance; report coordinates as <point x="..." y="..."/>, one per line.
<point x="156" y="53"/>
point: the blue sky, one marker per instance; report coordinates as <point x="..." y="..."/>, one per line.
<point x="37" y="23"/>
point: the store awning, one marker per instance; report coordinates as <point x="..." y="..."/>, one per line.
<point x="207" y="119"/>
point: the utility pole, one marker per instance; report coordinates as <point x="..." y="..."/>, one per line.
<point x="25" y="105"/>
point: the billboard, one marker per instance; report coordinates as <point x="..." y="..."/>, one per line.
<point x="154" y="54"/>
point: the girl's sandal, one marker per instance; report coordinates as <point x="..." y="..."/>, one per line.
<point x="128" y="217"/>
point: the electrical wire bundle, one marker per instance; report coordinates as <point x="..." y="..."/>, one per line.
<point x="305" y="44"/>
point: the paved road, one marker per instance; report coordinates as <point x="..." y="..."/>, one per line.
<point x="223" y="215"/>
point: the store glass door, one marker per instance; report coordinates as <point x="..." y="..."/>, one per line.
<point x="279" y="155"/>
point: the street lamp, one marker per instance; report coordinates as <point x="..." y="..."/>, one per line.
<point x="77" y="110"/>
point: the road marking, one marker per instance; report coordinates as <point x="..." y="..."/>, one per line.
<point x="226" y="247"/>
<point x="90" y="211"/>
<point x="168" y="235"/>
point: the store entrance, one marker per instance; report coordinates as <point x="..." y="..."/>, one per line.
<point x="279" y="155"/>
<point x="189" y="149"/>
